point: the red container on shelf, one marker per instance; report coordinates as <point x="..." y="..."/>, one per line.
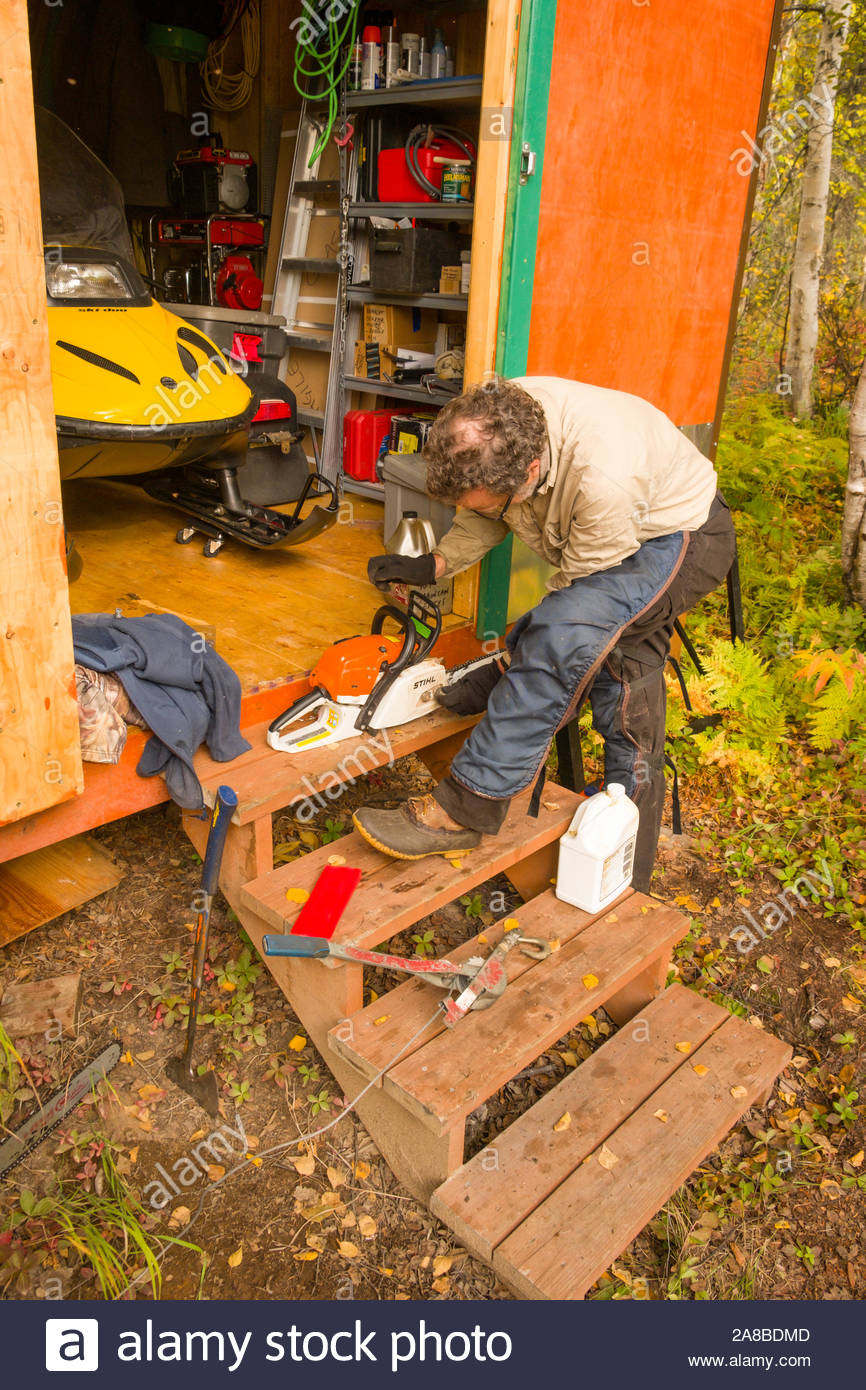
<point x="397" y="185"/>
<point x="363" y="432"/>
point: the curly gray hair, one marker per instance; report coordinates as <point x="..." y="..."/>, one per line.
<point x="485" y="438"/>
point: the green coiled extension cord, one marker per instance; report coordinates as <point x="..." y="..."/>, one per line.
<point x="322" y="61"/>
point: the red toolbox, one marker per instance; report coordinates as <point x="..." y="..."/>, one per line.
<point x="363" y="432"/>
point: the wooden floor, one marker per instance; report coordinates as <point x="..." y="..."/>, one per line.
<point x="270" y="613"/>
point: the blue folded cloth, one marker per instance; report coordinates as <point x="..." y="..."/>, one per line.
<point x="184" y="691"/>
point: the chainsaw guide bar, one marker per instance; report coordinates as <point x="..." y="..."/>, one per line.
<point x="46" y="1119"/>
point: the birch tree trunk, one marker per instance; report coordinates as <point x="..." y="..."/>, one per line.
<point x="808" y="254"/>
<point x="854" y="513"/>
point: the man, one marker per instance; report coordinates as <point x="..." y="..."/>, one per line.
<point x="604" y="486"/>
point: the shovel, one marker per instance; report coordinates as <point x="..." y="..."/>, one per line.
<point x="203" y="1089"/>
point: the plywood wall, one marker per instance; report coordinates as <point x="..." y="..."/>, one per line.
<point x="40" y="761"/>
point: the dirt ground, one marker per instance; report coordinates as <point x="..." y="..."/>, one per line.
<point x="333" y="1222"/>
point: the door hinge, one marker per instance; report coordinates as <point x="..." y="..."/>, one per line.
<point x="527" y="163"/>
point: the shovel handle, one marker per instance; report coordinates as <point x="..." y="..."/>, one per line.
<point x="225" y="806"/>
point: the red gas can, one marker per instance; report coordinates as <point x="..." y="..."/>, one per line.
<point x="398" y="185"/>
<point x="363" y="432"/>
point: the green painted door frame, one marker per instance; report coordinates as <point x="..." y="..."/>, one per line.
<point x="529" y="130"/>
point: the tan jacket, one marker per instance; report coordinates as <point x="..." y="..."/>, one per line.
<point x="618" y="473"/>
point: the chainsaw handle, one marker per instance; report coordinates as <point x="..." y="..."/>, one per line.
<point x="301" y="706"/>
<point x="410" y="635"/>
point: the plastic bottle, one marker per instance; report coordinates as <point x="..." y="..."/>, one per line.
<point x="371" y="63"/>
<point x="414" y="536"/>
<point x="596" y="853"/>
<point x="438" y="56"/>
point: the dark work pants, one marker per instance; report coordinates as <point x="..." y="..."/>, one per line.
<point x="606" y="635"/>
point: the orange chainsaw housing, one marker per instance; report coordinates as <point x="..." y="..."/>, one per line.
<point x="351" y="668"/>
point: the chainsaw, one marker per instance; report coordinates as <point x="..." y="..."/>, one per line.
<point x="46" y="1119"/>
<point x="373" y="682"/>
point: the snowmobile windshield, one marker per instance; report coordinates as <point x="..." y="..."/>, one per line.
<point x="81" y="200"/>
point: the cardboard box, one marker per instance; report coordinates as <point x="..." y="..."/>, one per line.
<point x="449" y="279"/>
<point x="397" y="326"/>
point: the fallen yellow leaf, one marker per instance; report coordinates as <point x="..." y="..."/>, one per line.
<point x="133" y="1154"/>
<point x="253" y="1141"/>
<point x="127" y="1058"/>
<point x="607" y="1158"/>
<point x="367" y="1226"/>
<point x="256" y="1162"/>
<point x="362" y="1171"/>
<point x="554" y="943"/>
<point x="590" y="981"/>
<point x="383" y="1269"/>
<point x="335" y="1177"/>
<point x="455" y="863"/>
<point x="145" y="1056"/>
<point x="215" y="1171"/>
<point x="831" y="962"/>
<point x="739" y="1092"/>
<point x="307" y="1255"/>
<point x="305" y="1165"/>
<point x="298" y="1043"/>
<point x="510" y="923"/>
<point x="563" y="1122"/>
<point x="783" y="1226"/>
<point x="611" y="917"/>
<point x="661" y="1115"/>
<point x="442" y="1264"/>
<point x="228" y="986"/>
<point x="482" y="939"/>
<point x="683" y="1046"/>
<point x="856" y="1159"/>
<point x="699" y="1069"/>
<point x="569" y="1058"/>
<point x="235" y="1259"/>
<point x="715" y="903"/>
<point x="179" y="1217"/>
<point x="441" y="1285"/>
<point x="382" y="1019"/>
<point x="150" y="1093"/>
<point x="348" y="1249"/>
<point x="297" y="895"/>
<point x="336" y="859"/>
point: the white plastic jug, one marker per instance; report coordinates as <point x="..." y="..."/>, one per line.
<point x="596" y="853"/>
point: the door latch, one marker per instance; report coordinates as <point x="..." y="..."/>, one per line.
<point x="527" y="163"/>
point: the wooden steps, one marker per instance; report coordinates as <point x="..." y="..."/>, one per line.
<point x="540" y="1206"/>
<point x="395" y="893"/>
<point x="452" y="1071"/>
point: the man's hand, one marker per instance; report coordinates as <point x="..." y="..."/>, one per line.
<point x="383" y="570"/>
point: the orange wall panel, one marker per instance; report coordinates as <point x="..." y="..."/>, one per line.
<point x="642" y="206"/>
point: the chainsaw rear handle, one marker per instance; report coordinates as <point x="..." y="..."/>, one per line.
<point x="307" y="702"/>
<point x="393" y="669"/>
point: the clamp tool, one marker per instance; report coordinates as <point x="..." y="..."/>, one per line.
<point x="480" y="980"/>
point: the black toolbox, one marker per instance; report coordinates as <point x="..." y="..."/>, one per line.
<point x="409" y="260"/>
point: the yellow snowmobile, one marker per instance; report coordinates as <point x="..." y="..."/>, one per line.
<point x="142" y="397"/>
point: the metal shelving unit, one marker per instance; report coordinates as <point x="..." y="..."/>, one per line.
<point x="450" y="91"/>
<point x="363" y="294"/>
<point x="376" y="386"/>
<point x="430" y="212"/>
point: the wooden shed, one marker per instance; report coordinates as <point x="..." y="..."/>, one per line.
<point x="609" y="226"/>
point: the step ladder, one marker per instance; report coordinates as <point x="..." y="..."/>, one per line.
<point x="315" y="258"/>
<point x="549" y="1205"/>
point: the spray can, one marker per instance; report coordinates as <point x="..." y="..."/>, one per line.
<point x="391" y="55"/>
<point x="437" y="65"/>
<point x="411" y="56"/>
<point x="353" y="75"/>
<point x="371" y="61"/>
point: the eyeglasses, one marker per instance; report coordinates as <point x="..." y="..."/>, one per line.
<point x="508" y="500"/>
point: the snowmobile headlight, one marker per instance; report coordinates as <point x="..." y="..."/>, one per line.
<point x="85" y="280"/>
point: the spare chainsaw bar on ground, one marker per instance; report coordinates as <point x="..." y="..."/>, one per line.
<point x="46" y="1119"/>
<point x="480" y="980"/>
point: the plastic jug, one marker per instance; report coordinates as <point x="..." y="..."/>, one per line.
<point x="413" y="536"/>
<point x="596" y="853"/>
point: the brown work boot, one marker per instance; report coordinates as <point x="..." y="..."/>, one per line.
<point x="415" y="829"/>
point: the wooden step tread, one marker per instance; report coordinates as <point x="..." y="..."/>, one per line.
<point x="370" y="1038"/>
<point x="456" y="1070"/>
<point x="267" y="780"/>
<point x="541" y="1206"/>
<point x="396" y="893"/>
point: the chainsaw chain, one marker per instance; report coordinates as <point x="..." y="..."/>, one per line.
<point x="41" y="1135"/>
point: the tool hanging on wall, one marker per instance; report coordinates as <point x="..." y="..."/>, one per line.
<point x="203" y="1088"/>
<point x="318" y="61"/>
<point x="370" y="682"/>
